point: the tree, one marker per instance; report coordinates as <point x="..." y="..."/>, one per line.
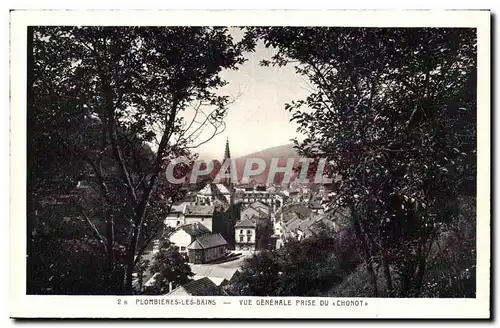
<point x="394" y="112"/>
<point x="109" y="106"/>
<point x="259" y="276"/>
<point x="169" y="269"/>
<point x="300" y="268"/>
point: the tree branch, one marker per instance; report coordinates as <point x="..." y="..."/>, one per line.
<point x="96" y="233"/>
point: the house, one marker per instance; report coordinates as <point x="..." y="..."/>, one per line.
<point x="201" y="214"/>
<point x="185" y="234"/>
<point x="319" y="227"/>
<point x="206" y="248"/>
<point x="187" y="213"/>
<point x="205" y="196"/>
<point x="198" y="287"/>
<point x="293" y="210"/>
<point x="244" y="233"/>
<point x="176" y="215"/>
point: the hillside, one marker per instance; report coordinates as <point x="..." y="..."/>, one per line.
<point x="281" y="152"/>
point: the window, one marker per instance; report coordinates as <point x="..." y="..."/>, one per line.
<point x="178" y="222"/>
<point x="249" y="232"/>
<point x="241" y="239"/>
<point x="241" y="231"/>
<point x="248" y="238"/>
<point x="202" y="219"/>
<point x="183" y="249"/>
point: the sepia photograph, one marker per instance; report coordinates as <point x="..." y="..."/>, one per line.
<point x="214" y="164"/>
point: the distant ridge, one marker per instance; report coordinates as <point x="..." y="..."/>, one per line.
<point x="283" y="153"/>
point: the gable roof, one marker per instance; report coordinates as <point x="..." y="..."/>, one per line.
<point x="245" y="223"/>
<point x="194" y="229"/>
<point x="293" y="223"/>
<point x="213" y="272"/>
<point x="259" y="204"/>
<point x="206" y="191"/>
<point x="178" y="208"/>
<point x="199" y="210"/>
<point x="208" y="241"/>
<point x="199" y="287"/>
<point x="305" y="224"/>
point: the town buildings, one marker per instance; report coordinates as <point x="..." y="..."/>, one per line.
<point x="248" y="194"/>
<point x="212" y="192"/>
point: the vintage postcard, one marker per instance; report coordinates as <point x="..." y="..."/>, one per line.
<point x="250" y="164"/>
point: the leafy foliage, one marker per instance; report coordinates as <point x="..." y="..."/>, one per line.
<point x="106" y="110"/>
<point x="394" y="111"/>
<point x="168" y="267"/>
<point x="300" y="268"/>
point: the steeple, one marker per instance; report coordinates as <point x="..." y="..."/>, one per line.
<point x="227" y="154"/>
<point x="227" y="157"/>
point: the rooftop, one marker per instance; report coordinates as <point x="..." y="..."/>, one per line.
<point x="213" y="271"/>
<point x="207" y="190"/>
<point x="245" y="223"/>
<point x="199" y="287"/>
<point x="208" y="241"/>
<point x="199" y="210"/>
<point x="194" y="229"/>
<point x="222" y="189"/>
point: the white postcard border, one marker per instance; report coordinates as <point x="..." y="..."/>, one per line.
<point x="22" y="305"/>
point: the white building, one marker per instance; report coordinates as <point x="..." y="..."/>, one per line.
<point x="251" y="194"/>
<point x="187" y="213"/>
<point x="244" y="233"/>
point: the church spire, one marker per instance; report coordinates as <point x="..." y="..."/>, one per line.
<point x="227" y="154"/>
<point x="227" y="157"/>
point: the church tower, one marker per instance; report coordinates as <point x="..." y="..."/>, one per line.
<point x="227" y="156"/>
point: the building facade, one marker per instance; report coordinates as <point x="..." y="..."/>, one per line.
<point x="245" y="233"/>
<point x="207" y="248"/>
<point x="188" y="213"/>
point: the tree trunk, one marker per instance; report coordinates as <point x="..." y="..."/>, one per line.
<point x="366" y="251"/>
<point x="388" y="277"/>
<point x="130" y="259"/>
<point x="419" y="280"/>
<point x="372" y="276"/>
<point x="110" y="233"/>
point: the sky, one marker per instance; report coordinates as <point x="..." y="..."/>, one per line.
<point x="256" y="119"/>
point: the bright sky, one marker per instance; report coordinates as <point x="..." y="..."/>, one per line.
<point x="257" y="119"/>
